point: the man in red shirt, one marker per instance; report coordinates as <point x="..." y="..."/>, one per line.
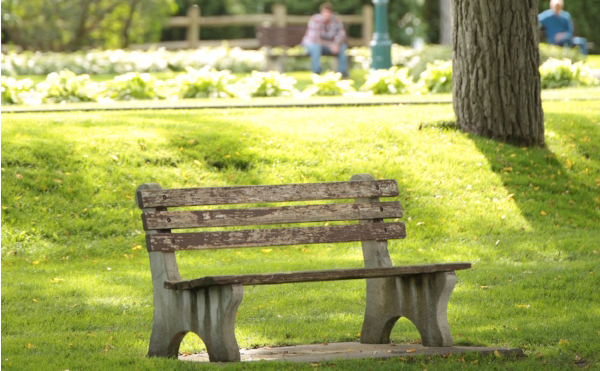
<point x="325" y="35"/>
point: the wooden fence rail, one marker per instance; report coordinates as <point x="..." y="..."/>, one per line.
<point x="193" y="21"/>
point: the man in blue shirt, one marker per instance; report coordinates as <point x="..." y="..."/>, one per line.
<point x="559" y="27"/>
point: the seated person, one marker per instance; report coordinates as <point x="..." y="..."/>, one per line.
<point x="325" y="35"/>
<point x="559" y="27"/>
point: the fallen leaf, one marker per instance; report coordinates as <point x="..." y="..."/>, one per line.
<point x="30" y="346"/>
<point x="73" y="306"/>
<point x="522" y="305"/>
<point x="266" y="251"/>
<point x="197" y="162"/>
<point x="35" y="300"/>
<point x="19" y="176"/>
<point x="114" y="157"/>
<point x="410" y="350"/>
<point x="35" y="262"/>
<point x="496" y="353"/>
<point x="484" y="287"/>
<point x="137" y="247"/>
<point x="543" y="213"/>
<point x="57" y="181"/>
<point x="57" y="279"/>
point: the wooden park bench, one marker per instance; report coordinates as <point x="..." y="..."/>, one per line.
<point x="277" y="39"/>
<point x="207" y="305"/>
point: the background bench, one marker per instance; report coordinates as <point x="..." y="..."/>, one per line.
<point x="281" y="38"/>
<point x="207" y="305"/>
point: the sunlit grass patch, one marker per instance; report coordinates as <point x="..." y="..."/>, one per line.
<point x="75" y="277"/>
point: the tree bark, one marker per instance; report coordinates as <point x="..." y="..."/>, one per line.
<point x="496" y="80"/>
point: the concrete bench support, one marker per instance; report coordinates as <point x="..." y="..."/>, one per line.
<point x="209" y="313"/>
<point x="422" y="298"/>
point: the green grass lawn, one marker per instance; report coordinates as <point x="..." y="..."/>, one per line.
<point x="76" y="288"/>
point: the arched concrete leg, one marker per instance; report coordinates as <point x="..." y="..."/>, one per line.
<point x="424" y="299"/>
<point x="381" y="312"/>
<point x="209" y="312"/>
<point x="219" y="306"/>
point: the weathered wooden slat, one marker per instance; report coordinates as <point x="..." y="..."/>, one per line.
<point x="266" y="193"/>
<point x="270" y="215"/>
<point x="311" y="276"/>
<point x="274" y="237"/>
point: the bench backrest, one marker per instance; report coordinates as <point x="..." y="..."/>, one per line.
<point x="158" y="221"/>
<point x="280" y="36"/>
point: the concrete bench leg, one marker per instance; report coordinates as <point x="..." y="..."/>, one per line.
<point x="422" y="298"/>
<point x="209" y="313"/>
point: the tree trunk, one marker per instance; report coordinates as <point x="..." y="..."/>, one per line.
<point x="496" y="80"/>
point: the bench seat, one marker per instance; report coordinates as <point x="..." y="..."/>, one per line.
<point x="313" y="276"/>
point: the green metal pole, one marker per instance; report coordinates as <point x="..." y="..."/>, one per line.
<point x="381" y="45"/>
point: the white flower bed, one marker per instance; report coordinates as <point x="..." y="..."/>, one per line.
<point x="106" y="62"/>
<point x="67" y="86"/>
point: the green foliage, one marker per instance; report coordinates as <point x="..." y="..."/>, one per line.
<point x="392" y="81"/>
<point x="558" y="52"/>
<point x="74" y="24"/>
<point x="419" y="61"/>
<point x="68" y="87"/>
<point x="265" y="84"/>
<point x="330" y="83"/>
<point x="123" y="61"/>
<point x="556" y="73"/>
<point x="135" y="85"/>
<point x="437" y="78"/>
<point x="12" y="89"/>
<point x="203" y="83"/>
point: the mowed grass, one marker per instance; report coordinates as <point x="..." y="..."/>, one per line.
<point x="76" y="282"/>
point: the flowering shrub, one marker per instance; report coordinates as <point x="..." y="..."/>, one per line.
<point x="548" y="51"/>
<point x="12" y="89"/>
<point x="203" y="83"/>
<point x="556" y="73"/>
<point x="437" y="78"/>
<point x="329" y="84"/>
<point x="135" y="85"/>
<point x="67" y="86"/>
<point x="392" y="81"/>
<point x="266" y="84"/>
<point x="123" y="61"/>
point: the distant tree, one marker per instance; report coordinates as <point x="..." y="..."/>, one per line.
<point x="69" y="25"/>
<point x="496" y="81"/>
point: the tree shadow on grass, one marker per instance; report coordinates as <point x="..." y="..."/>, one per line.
<point x="555" y="188"/>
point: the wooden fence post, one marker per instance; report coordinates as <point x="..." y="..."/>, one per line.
<point x="280" y="13"/>
<point x="367" y="24"/>
<point x="193" y="31"/>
